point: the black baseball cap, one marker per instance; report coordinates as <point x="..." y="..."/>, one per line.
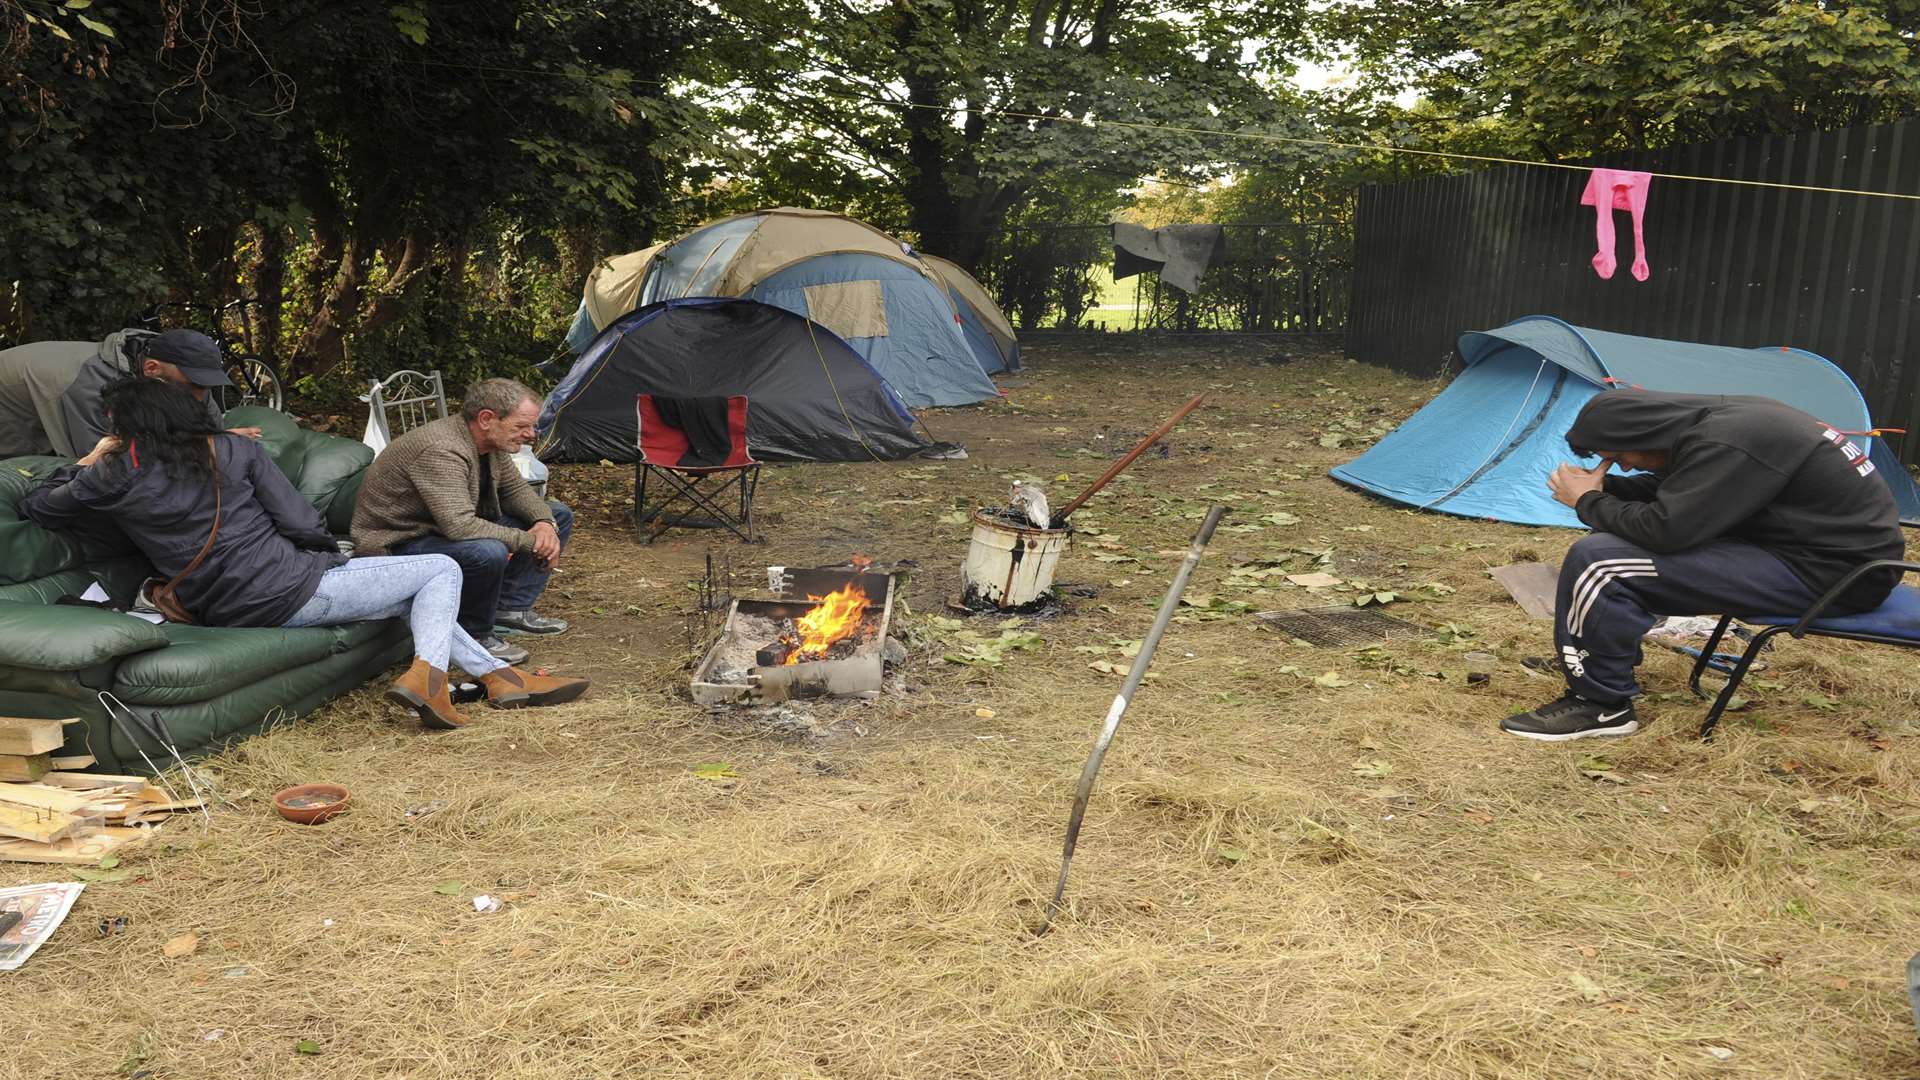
<point x="193" y="352"/>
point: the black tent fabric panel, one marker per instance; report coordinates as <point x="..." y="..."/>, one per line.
<point x="811" y="398"/>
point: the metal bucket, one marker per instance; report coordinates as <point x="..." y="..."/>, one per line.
<point x="1007" y="565"/>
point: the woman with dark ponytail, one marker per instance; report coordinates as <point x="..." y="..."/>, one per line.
<point x="240" y="546"/>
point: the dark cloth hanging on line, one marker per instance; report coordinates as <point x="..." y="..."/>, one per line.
<point x="1181" y="253"/>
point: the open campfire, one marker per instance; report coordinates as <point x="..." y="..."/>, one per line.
<point x="830" y="630"/>
<point x="825" y="636"/>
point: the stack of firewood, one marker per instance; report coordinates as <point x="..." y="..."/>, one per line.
<point x="52" y="813"/>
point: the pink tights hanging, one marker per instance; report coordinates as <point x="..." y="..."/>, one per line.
<point x="1617" y="189"/>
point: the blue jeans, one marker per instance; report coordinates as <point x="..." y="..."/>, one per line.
<point x="423" y="588"/>
<point x="493" y="578"/>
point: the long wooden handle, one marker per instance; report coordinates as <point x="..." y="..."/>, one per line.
<point x="1154" y="436"/>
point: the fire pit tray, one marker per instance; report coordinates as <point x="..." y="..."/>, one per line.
<point x="858" y="675"/>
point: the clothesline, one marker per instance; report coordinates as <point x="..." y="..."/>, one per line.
<point x="1259" y="136"/>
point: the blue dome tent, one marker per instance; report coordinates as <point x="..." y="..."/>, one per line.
<point x="865" y="286"/>
<point x="1484" y="446"/>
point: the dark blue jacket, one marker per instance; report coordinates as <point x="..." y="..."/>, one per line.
<point x="272" y="548"/>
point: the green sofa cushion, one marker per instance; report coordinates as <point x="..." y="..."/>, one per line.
<point x="203" y="662"/>
<point x="325" y="468"/>
<point x="46" y="638"/>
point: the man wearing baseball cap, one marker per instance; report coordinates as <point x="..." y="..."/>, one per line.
<point x="50" y="390"/>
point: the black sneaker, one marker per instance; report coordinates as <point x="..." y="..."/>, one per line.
<point x="1572" y="717"/>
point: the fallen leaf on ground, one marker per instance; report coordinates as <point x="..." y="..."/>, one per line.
<point x="1316" y="580"/>
<point x="184" y="945"/>
<point x="1588" y="951"/>
<point x="306" y="1046"/>
<point x="1333" y="679"/>
<point x="1372" y="768"/>
<point x="1838" y="982"/>
<point x="983" y="713"/>
<point x="1232" y="855"/>
<point x="1590" y="991"/>
<point x="715" y="770"/>
<point x="449" y="888"/>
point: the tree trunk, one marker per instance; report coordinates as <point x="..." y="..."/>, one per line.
<point x="269" y="285"/>
<point x="392" y="298"/>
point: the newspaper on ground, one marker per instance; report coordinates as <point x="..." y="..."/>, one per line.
<point x="41" y="908"/>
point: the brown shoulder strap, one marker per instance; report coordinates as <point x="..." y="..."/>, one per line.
<point x="214" y="455"/>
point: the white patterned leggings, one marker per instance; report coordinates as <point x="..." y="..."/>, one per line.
<point x="423" y="588"/>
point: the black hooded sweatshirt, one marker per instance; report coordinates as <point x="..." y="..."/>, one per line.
<point x="1743" y="468"/>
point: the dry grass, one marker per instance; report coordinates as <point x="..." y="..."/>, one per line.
<point x="858" y="902"/>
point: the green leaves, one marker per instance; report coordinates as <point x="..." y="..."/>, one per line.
<point x="411" y="22"/>
<point x="715" y="770"/>
<point x="450" y="888"/>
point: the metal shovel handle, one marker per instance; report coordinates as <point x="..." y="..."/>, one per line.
<point x="1119" y="707"/>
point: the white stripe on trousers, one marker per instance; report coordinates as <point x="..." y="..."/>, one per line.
<point x="1592" y="578"/>
<point x="1580" y="616"/>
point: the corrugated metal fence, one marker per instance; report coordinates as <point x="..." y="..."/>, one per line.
<point x="1734" y="265"/>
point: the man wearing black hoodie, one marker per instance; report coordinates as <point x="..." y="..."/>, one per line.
<point x="1735" y="504"/>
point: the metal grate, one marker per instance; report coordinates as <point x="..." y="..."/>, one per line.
<point x="1341" y="626"/>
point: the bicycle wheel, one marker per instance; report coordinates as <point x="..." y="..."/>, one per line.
<point x="254" y="383"/>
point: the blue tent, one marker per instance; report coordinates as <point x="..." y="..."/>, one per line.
<point x="1484" y="446"/>
<point x="843" y="274"/>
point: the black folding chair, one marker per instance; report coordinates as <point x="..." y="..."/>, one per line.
<point x="1895" y="622"/>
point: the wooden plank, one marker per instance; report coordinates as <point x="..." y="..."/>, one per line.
<point x="84" y="849"/>
<point x="43" y="797"/>
<point x="28" y="767"/>
<point x="35" y="824"/>
<point x="1532" y="585"/>
<point x="71" y="764"/>
<point x="23" y="735"/>
<point x="79" y="781"/>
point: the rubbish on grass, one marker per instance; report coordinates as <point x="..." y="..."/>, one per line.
<point x="114" y="924"/>
<point x="484" y="903"/>
<point x="1533" y="585"/>
<point x="41" y="909"/>
<point x="310" y="804"/>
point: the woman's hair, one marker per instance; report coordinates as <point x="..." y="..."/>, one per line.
<point x="161" y="421"/>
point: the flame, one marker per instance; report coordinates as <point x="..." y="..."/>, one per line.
<point x="834" y="616"/>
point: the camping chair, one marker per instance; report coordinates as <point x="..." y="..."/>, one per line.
<point x="1896" y="622"/>
<point x="700" y="488"/>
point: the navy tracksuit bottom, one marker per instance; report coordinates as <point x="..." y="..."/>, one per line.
<point x="1613" y="591"/>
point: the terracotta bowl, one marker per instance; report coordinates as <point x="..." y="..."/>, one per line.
<point x="310" y="804"/>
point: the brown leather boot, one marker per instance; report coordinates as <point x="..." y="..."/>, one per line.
<point x="512" y="688"/>
<point x="424" y="690"/>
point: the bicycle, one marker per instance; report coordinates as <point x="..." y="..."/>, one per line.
<point x="255" y="382"/>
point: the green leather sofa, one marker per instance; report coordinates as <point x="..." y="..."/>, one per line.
<point x="203" y="686"/>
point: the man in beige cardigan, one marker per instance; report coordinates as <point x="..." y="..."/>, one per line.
<point x="449" y="487"/>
